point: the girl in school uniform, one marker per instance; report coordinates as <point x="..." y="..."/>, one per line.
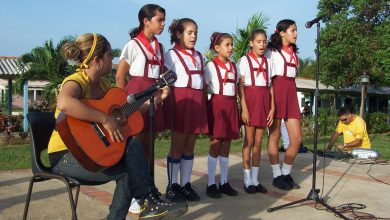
<point x="284" y="67"/>
<point x="257" y="103"/>
<point x="185" y="109"/>
<point x="222" y="79"/>
<point x="143" y="59"/>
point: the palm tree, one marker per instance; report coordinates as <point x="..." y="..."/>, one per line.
<point x="241" y="38"/>
<point x="307" y="68"/>
<point x="209" y="55"/>
<point x="45" y="63"/>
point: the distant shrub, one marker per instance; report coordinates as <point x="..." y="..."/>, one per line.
<point x="327" y="122"/>
<point x="377" y="122"/>
<point x="40" y="106"/>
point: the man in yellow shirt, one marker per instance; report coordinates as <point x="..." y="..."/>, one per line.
<point x="353" y="129"/>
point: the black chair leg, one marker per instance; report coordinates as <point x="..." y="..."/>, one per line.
<point x="72" y="203"/>
<point x="28" y="198"/>
<point x="77" y="196"/>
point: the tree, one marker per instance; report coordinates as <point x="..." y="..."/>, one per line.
<point x="356" y="39"/>
<point x="45" y="63"/>
<point x="242" y="35"/>
<point x="307" y="68"/>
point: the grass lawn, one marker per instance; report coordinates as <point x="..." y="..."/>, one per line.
<point x="18" y="156"/>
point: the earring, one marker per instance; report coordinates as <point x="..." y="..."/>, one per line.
<point x="99" y="67"/>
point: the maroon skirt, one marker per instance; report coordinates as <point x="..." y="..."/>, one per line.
<point x="185" y="111"/>
<point x="139" y="84"/>
<point x="286" y="99"/>
<point x="223" y="117"/>
<point x="258" y="101"/>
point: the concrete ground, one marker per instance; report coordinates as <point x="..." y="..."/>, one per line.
<point x="345" y="182"/>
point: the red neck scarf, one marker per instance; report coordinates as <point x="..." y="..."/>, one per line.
<point x="141" y="37"/>
<point x="185" y="52"/>
<point x="293" y="56"/>
<point x="261" y="69"/>
<point x="223" y="66"/>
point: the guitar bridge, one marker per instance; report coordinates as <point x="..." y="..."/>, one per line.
<point x="101" y="134"/>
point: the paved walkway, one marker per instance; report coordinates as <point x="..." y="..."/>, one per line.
<point x="345" y="182"/>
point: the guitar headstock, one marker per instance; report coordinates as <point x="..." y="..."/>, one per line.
<point x="168" y="78"/>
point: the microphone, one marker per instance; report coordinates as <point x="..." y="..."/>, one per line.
<point x="146" y="93"/>
<point x="315" y="20"/>
<point x="168" y="78"/>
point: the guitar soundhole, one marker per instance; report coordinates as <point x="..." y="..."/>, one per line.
<point x="119" y="115"/>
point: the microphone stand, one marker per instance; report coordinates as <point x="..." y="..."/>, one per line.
<point x="151" y="128"/>
<point x="313" y="194"/>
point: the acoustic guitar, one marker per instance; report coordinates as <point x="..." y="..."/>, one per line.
<point x="90" y="143"/>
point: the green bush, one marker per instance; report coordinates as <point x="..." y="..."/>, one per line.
<point x="377" y="122"/>
<point x="327" y="122"/>
<point x="41" y="106"/>
<point x="308" y="126"/>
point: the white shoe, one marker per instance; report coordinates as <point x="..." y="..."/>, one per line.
<point x="135" y="207"/>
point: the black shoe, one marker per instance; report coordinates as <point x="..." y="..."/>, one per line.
<point x="281" y="183"/>
<point x="227" y="189"/>
<point x="189" y="193"/>
<point x="260" y="189"/>
<point x="213" y="192"/>
<point x="251" y="189"/>
<point x="153" y="207"/>
<point x="291" y="182"/>
<point x="173" y="193"/>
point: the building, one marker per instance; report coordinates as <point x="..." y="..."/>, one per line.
<point x="8" y="73"/>
<point x="378" y="98"/>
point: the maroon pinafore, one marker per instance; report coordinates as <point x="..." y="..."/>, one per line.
<point x="258" y="98"/>
<point x="285" y="93"/>
<point x="223" y="111"/>
<point x="140" y="83"/>
<point x="185" y="108"/>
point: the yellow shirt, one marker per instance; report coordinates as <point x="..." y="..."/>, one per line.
<point x="56" y="144"/>
<point x="355" y="130"/>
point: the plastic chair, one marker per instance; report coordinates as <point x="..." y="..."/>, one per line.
<point x="41" y="126"/>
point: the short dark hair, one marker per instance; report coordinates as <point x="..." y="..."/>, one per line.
<point x="345" y="110"/>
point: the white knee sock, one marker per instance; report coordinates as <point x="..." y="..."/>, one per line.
<point x="276" y="170"/>
<point x="186" y="164"/>
<point x="211" y="167"/>
<point x="254" y="172"/>
<point x="173" y="165"/>
<point x="224" y="167"/>
<point x="247" y="177"/>
<point x="286" y="169"/>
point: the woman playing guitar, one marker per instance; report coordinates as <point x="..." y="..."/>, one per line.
<point x="131" y="173"/>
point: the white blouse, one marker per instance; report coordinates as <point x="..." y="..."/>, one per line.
<point x="211" y="79"/>
<point x="173" y="63"/>
<point x="244" y="70"/>
<point x="277" y="63"/>
<point x="134" y="56"/>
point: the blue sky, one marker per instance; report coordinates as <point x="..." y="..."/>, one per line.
<point x="26" y="24"/>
